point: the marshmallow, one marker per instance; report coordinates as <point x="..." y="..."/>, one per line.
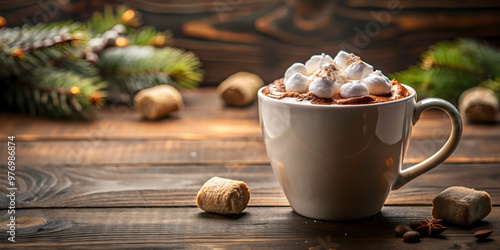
<point x="353" y="89"/>
<point x="297" y="83"/>
<point x="323" y="87"/>
<point x="336" y="87"/>
<point x="296" y="68"/>
<point x="96" y="44"/>
<point x="110" y="34"/>
<point x="340" y="59"/>
<point x="358" y="70"/>
<point x="316" y="61"/>
<point x="377" y="83"/>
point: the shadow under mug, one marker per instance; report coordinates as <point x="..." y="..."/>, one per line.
<point x="339" y="162"/>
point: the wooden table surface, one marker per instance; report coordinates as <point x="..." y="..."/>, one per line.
<point x="121" y="182"/>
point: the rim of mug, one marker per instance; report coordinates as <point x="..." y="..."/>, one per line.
<point x="412" y="90"/>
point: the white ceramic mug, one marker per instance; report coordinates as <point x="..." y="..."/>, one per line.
<point x="339" y="162"/>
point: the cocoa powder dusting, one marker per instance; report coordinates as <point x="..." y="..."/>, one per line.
<point x="351" y="58"/>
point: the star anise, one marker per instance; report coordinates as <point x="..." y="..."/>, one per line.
<point x="430" y="227"/>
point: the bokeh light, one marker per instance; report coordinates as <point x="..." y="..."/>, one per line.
<point x="128" y="15"/>
<point x="121" y="42"/>
<point x="75" y="90"/>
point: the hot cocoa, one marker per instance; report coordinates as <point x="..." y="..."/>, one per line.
<point x="344" y="80"/>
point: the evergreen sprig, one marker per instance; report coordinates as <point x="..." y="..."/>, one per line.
<point x="488" y="56"/>
<point x="24" y="49"/>
<point x="449" y="68"/>
<point x="27" y="36"/>
<point x="153" y="65"/>
<point x="53" y="70"/>
<point x="102" y="22"/>
<point x="150" y="36"/>
<point x="55" y="93"/>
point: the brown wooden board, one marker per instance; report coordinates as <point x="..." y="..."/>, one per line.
<point x="208" y="151"/>
<point x="256" y="227"/>
<point x="223" y="122"/>
<point x="142" y="185"/>
<point x="205" y="117"/>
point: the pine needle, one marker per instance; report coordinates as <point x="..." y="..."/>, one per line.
<point x="450" y="67"/>
<point x="182" y="68"/>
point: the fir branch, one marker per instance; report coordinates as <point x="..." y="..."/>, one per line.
<point x="485" y="53"/>
<point x="102" y="22"/>
<point x="42" y="33"/>
<point x="449" y="68"/>
<point x="414" y="76"/>
<point x="64" y="80"/>
<point x="183" y="68"/>
<point x="81" y="67"/>
<point x="449" y="55"/>
<point x="44" y="68"/>
<point x="149" y="36"/>
<point x="24" y="49"/>
<point x="99" y="23"/>
<point x="28" y="61"/>
<point x="450" y="83"/>
<point x="55" y="93"/>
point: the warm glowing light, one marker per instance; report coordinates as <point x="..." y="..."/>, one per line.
<point x="3" y="22"/>
<point x="75" y="90"/>
<point x="159" y="40"/>
<point x="189" y="136"/>
<point x="19" y="53"/>
<point x="95" y="99"/>
<point x="128" y="15"/>
<point x="121" y="42"/>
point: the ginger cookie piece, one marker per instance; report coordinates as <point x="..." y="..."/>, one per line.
<point x="461" y="206"/>
<point x="223" y="196"/>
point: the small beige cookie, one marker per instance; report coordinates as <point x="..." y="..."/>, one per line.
<point x="461" y="206"/>
<point x="158" y="101"/>
<point x="240" y="88"/>
<point x="479" y="105"/>
<point x="223" y="196"/>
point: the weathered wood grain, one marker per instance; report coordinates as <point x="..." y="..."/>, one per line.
<point x="24" y="224"/>
<point x="98" y="151"/>
<point x="205" y="117"/>
<point x="257" y="227"/>
<point x="304" y="28"/>
<point x="425" y="4"/>
<point x="168" y="152"/>
<point x="124" y="186"/>
<point x="201" y="6"/>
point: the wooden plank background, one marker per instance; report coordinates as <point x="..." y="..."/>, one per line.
<point x="205" y="117"/>
<point x="123" y="182"/>
<point x="127" y="183"/>
<point x="103" y="185"/>
<point x="98" y="163"/>
<point x="266" y="36"/>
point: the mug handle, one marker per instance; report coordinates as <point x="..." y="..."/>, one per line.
<point x="440" y="156"/>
